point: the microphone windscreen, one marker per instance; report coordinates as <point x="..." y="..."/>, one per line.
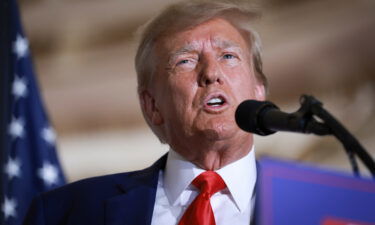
<point x="248" y="116"/>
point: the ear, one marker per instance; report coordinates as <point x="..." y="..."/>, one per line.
<point x="260" y="92"/>
<point x="150" y="109"/>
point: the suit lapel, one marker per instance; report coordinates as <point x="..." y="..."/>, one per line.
<point x="135" y="203"/>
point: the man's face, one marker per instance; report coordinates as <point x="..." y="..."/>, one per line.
<point x="202" y="75"/>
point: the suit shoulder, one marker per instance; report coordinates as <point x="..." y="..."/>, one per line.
<point x="138" y="176"/>
<point x="91" y="185"/>
<point x="87" y="198"/>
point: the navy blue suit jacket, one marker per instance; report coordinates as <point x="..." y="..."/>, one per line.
<point x="118" y="199"/>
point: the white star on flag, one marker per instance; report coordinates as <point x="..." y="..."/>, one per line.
<point x="16" y="128"/>
<point x="9" y="207"/>
<point x="48" y="173"/>
<point x="19" y="88"/>
<point x="12" y="168"/>
<point x="21" y="46"/>
<point x="49" y="135"/>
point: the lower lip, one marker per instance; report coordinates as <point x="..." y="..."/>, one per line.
<point x="215" y="109"/>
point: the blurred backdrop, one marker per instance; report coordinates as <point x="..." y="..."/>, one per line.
<point x="83" y="53"/>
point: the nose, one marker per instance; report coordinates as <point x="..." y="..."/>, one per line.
<point x="210" y="73"/>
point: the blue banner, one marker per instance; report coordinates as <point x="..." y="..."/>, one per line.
<point x="296" y="194"/>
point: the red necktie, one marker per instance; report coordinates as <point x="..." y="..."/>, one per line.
<point x="200" y="211"/>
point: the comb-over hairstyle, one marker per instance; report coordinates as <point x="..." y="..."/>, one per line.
<point x="187" y="14"/>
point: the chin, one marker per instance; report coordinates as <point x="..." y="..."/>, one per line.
<point x="220" y="131"/>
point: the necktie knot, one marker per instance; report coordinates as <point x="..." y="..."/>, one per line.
<point x="200" y="212"/>
<point x="209" y="183"/>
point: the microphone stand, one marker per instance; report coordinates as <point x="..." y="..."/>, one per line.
<point x="310" y="108"/>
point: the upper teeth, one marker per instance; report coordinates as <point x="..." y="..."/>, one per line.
<point x="214" y="101"/>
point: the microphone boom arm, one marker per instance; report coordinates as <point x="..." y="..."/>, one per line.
<point x="312" y="107"/>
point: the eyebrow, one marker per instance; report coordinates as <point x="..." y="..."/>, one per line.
<point x="184" y="49"/>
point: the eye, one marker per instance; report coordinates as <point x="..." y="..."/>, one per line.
<point x="185" y="64"/>
<point x="184" y="61"/>
<point x="228" y="56"/>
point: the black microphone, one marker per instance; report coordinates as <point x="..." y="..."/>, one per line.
<point x="265" y="118"/>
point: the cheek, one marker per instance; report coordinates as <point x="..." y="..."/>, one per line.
<point x="243" y="83"/>
<point x="182" y="93"/>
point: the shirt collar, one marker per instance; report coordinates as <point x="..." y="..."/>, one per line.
<point x="179" y="173"/>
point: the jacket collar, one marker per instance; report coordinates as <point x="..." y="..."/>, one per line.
<point x="135" y="203"/>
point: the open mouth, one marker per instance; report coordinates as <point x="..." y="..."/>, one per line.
<point x="216" y="101"/>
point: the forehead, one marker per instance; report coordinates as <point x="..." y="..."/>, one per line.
<point x="218" y="32"/>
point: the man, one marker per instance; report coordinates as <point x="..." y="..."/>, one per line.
<point x="196" y="63"/>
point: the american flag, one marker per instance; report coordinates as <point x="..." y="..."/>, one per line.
<point x="29" y="164"/>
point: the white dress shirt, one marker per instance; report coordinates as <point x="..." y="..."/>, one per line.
<point x="232" y="205"/>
